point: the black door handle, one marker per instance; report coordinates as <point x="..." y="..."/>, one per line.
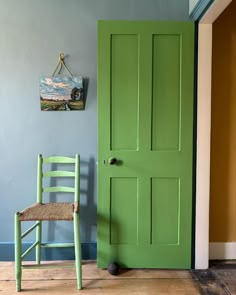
<point x="112" y="161"/>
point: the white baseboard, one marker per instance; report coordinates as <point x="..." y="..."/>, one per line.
<point x="222" y="250"/>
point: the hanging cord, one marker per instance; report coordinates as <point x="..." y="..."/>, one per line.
<point x="61" y="64"/>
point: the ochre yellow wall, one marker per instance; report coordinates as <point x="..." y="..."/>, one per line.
<point x="223" y="136"/>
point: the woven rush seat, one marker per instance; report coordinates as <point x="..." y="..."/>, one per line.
<point x="49" y="211"/>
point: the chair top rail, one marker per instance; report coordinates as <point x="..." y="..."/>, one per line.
<point x="56" y="159"/>
<point x="59" y="174"/>
<point x="58" y="189"/>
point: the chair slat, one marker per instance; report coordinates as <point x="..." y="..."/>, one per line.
<point x="59" y="174"/>
<point x="29" y="249"/>
<point x="55" y="159"/>
<point x="57" y="245"/>
<point x="58" y="189"/>
<point x="30" y="229"/>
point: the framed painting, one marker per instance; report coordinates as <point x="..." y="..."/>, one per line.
<point x="61" y="93"/>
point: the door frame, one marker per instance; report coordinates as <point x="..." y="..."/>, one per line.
<point x="204" y="75"/>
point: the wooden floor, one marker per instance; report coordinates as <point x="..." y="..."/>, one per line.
<point x="219" y="279"/>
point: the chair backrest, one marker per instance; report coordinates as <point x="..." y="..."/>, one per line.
<point x="58" y="173"/>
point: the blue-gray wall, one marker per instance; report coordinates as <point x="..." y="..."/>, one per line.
<point x="32" y="33"/>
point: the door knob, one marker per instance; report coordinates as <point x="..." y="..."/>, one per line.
<point x="112" y="161"/>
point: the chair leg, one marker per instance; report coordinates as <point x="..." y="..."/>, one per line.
<point x="38" y="239"/>
<point x="18" y="271"/>
<point x="77" y="250"/>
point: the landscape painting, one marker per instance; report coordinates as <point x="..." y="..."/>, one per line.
<point x="61" y="93"/>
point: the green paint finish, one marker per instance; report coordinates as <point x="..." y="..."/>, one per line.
<point x="59" y="174"/>
<point x="145" y="121"/>
<point x="30" y="249"/>
<point x="18" y="250"/>
<point x="38" y="235"/>
<point x="37" y="245"/>
<point x="166" y="98"/>
<point x="40" y="179"/>
<point x="124" y="91"/>
<point x="61" y="189"/>
<point x="165" y="211"/>
<point x="58" y="160"/>
<point x="57" y="245"/>
<point x="123" y="220"/>
<point x="78" y="262"/>
<point x="30" y="229"/>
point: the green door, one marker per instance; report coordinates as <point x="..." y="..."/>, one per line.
<point x="145" y="131"/>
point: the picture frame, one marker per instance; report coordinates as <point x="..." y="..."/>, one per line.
<point x="61" y="93"/>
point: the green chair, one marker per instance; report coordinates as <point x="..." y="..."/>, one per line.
<point x="50" y="212"/>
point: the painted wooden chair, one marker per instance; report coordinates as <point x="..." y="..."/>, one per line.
<point x="50" y="211"/>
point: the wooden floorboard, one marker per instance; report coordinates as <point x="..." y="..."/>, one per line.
<point x="219" y="279"/>
<point x="90" y="271"/>
<point x="98" y="281"/>
<point x="141" y="286"/>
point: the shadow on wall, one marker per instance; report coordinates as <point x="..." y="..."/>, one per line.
<point x="88" y="215"/>
<point x="89" y="210"/>
<point x="85" y="89"/>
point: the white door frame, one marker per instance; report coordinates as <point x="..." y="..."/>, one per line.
<point x="204" y="132"/>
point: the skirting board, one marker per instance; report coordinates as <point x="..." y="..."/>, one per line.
<point x="222" y="251"/>
<point x="89" y="252"/>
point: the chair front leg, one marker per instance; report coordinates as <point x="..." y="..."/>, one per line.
<point x="77" y="250"/>
<point x="18" y="271"/>
<point x="38" y="239"/>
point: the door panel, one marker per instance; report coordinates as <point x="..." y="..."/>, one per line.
<point x="124" y="75"/>
<point x="165" y="211"/>
<point x="123" y="221"/>
<point x="145" y="122"/>
<point x="166" y="92"/>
